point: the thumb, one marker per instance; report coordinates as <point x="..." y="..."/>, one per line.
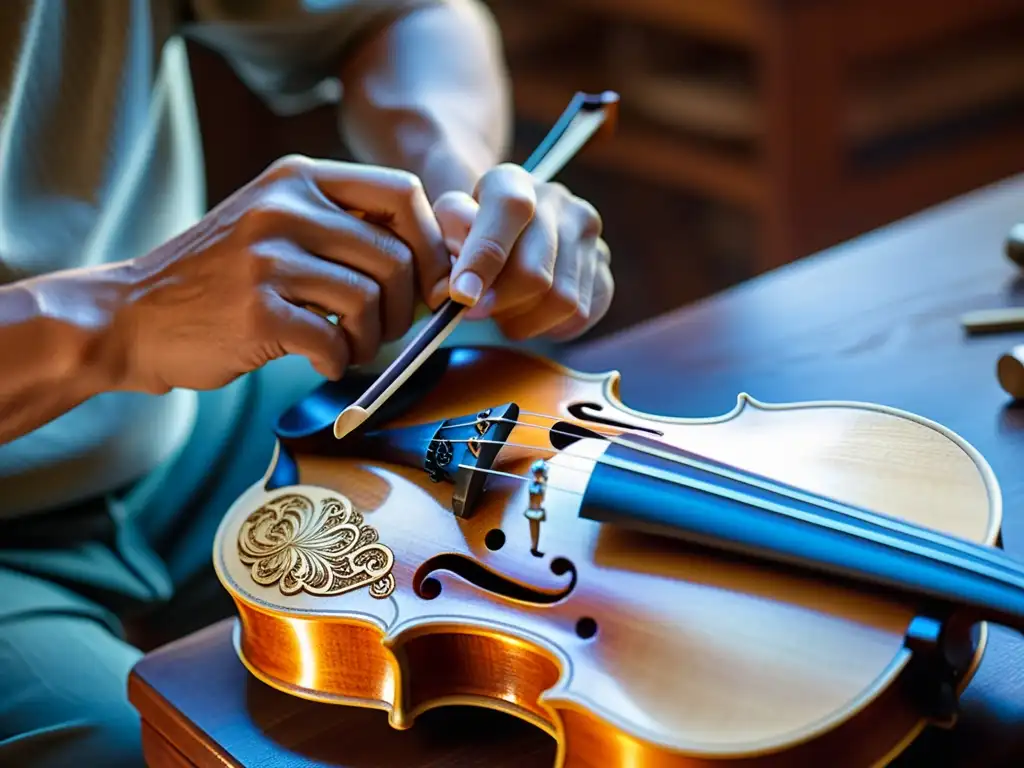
<point x="507" y="201"/>
<point x="455" y="213"/>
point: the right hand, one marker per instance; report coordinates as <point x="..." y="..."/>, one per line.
<point x="233" y="292"/>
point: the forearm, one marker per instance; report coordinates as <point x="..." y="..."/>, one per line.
<point x="430" y="94"/>
<point x="55" y="337"/>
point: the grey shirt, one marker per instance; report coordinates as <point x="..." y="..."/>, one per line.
<point x="100" y="160"/>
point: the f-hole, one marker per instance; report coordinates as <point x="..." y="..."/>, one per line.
<point x="579" y="411"/>
<point x="428" y="587"/>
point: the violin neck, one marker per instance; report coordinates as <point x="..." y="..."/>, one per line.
<point x="680" y="495"/>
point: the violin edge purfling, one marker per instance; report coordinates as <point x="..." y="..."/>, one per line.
<point x="435" y="661"/>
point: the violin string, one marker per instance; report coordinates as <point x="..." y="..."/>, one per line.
<point x="524" y="478"/>
<point x="520" y="445"/>
<point x="892" y="524"/>
<point x="521" y="423"/>
<point x="1000" y="564"/>
<point x="766" y="484"/>
<point x="767" y="506"/>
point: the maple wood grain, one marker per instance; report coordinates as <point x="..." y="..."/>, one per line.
<point x="875" y="319"/>
<point x="674" y="626"/>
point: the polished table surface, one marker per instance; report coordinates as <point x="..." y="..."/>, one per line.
<point x="873" y="320"/>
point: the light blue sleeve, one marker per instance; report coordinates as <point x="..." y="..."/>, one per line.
<point x="288" y="52"/>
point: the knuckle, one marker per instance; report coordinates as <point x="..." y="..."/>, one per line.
<point x="449" y="197"/>
<point x="445" y="203"/>
<point x="263" y="217"/>
<point x="489" y="255"/>
<point x="557" y="189"/>
<point x="455" y="206"/>
<point x="604" y="290"/>
<point x="368" y="293"/>
<point x="591" y="224"/>
<point x="260" y="320"/>
<point x="291" y="164"/>
<point x="518" y="205"/>
<point x="609" y="292"/>
<point x="261" y="264"/>
<point x="565" y="298"/>
<point x="584" y="306"/>
<point x="407" y="185"/>
<point x="512" y="189"/>
<point x="580" y="316"/>
<point x="536" y="281"/>
<point x="507" y="172"/>
<point x="398" y="258"/>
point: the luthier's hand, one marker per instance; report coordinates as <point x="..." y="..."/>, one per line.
<point x="233" y="292"/>
<point x="529" y="254"/>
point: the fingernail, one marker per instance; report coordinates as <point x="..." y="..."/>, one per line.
<point x="467" y="287"/>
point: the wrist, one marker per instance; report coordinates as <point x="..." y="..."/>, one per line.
<point x="453" y="166"/>
<point x="79" y="334"/>
<point x="445" y="154"/>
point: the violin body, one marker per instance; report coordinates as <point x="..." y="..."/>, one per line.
<point x="356" y="584"/>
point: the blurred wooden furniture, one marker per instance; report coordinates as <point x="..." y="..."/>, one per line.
<point x="822" y="119"/>
<point x="752" y="132"/>
<point x="875" y="320"/>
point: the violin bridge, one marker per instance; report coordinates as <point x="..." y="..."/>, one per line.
<point x="535" y="512"/>
<point x="459" y="450"/>
<point x="482" y="425"/>
<point x="471" y="446"/>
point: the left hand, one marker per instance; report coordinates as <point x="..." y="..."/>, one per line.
<point x="527" y="254"/>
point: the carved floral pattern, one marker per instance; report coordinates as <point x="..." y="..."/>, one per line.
<point x="323" y="550"/>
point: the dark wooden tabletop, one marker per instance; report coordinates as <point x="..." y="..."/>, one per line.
<point x="875" y="320"/>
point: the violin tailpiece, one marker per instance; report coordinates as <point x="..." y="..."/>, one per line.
<point x="321" y="549"/>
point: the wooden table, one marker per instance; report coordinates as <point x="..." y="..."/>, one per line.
<point x="876" y="320"/>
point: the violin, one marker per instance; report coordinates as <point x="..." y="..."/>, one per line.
<point x="784" y="584"/>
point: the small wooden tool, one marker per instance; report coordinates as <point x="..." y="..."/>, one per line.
<point x="1010" y="368"/>
<point x="1010" y="371"/>
<point x="1015" y="245"/>
<point x="999" y="320"/>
